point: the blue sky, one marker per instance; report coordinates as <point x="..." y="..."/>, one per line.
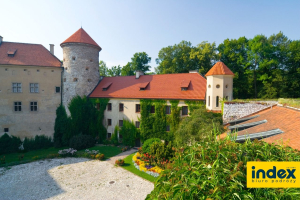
<point x="125" y="27"/>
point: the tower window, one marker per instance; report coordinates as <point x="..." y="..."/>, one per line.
<point x="218" y="86"/>
<point x="226" y="86"/>
<point x="6" y="130"/>
<point x="57" y="89"/>
<point x="66" y="68"/>
<point x="65" y="79"/>
<point x="208" y="100"/>
<point x="91" y="60"/>
<point x="217" y="101"/>
<point x="86" y="68"/>
<point x="209" y="86"/>
<point x="89" y="80"/>
<point x="73" y="58"/>
<point x="75" y="80"/>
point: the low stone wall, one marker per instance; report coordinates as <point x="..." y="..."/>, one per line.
<point x="237" y="110"/>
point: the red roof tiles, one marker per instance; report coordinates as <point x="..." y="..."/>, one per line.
<point x="81" y="36"/>
<point x="185" y="83"/>
<point x="27" y="54"/>
<point x="219" y="69"/>
<point x="285" y="119"/>
<point x="165" y="86"/>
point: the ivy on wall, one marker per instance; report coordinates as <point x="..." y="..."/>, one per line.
<point x="153" y="125"/>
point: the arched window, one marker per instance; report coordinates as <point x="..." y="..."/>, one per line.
<point x="218" y="86"/>
<point x="217" y="101"/>
<point x="209" y="86"/>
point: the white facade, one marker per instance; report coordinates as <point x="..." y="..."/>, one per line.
<point x="217" y="88"/>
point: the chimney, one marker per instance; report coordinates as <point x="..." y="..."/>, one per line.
<point x="193" y="71"/>
<point x="138" y="74"/>
<point x="1" y="39"/>
<point x="52" y="48"/>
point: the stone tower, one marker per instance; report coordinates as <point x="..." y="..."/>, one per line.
<point x="81" y="65"/>
<point x="219" y="85"/>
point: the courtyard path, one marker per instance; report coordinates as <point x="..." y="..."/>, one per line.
<point x="72" y="178"/>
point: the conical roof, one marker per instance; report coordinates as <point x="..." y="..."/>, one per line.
<point x="81" y="36"/>
<point x="219" y="69"/>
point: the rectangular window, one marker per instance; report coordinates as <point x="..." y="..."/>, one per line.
<point x="33" y="106"/>
<point x="121" y="107"/>
<point x="109" y="122"/>
<point x="120" y="136"/>
<point x="168" y="110"/>
<point x="184" y="110"/>
<point x="109" y="106"/>
<point x="137" y="124"/>
<point x="98" y="106"/>
<point x="168" y="128"/>
<point x="208" y="100"/>
<point x="120" y="123"/>
<point x="17" y="87"/>
<point x="217" y="101"/>
<point x="137" y="108"/>
<point x="152" y="110"/>
<point x="34" y="87"/>
<point x="18" y="106"/>
<point x="57" y="89"/>
<point x="6" y="130"/>
<point x="108" y="135"/>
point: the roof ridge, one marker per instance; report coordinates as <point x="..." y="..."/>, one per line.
<point x="21" y="43"/>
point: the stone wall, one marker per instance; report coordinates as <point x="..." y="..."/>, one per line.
<point x="81" y="70"/>
<point x="237" y="110"/>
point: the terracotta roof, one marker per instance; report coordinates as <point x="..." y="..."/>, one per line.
<point x="185" y="83"/>
<point x="27" y="54"/>
<point x="165" y="86"/>
<point x="81" y="36"/>
<point x="219" y="69"/>
<point x="285" y="119"/>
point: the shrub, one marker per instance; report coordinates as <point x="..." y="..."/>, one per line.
<point x="114" y="137"/>
<point x="129" y="132"/>
<point x="216" y="169"/>
<point x="67" y="152"/>
<point x="148" y="143"/>
<point x="162" y="153"/>
<point x="38" y="142"/>
<point x="9" y="144"/>
<point x="100" y="156"/>
<point x="119" y="162"/>
<point x="2" y="160"/>
<point x="60" y="127"/>
<point x="82" y="142"/>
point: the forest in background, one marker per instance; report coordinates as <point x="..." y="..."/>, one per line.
<point x="264" y="67"/>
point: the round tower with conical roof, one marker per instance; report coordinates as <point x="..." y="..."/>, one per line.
<point x="219" y="85"/>
<point x="81" y="65"/>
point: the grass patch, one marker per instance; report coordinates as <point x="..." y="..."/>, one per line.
<point x="290" y="102"/>
<point x="30" y="156"/>
<point x="130" y="167"/>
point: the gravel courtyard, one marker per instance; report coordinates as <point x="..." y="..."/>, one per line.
<point x="71" y="178"/>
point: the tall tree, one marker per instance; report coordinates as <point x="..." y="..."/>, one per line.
<point x="140" y="61"/>
<point x="103" y="70"/>
<point x="114" y="71"/>
<point x="127" y="70"/>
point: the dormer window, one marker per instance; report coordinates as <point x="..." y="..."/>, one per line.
<point x="106" y="86"/>
<point x="143" y="86"/>
<point x="11" y="53"/>
<point x="185" y="85"/>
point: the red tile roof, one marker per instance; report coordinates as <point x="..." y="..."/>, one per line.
<point x="285" y="119"/>
<point x="81" y="36"/>
<point x="185" y="83"/>
<point x="165" y="86"/>
<point x="219" y="69"/>
<point x="27" y="54"/>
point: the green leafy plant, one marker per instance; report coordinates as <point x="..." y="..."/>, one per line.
<point x="82" y="142"/>
<point x="147" y="144"/>
<point x="128" y="132"/>
<point x="38" y="142"/>
<point x="2" y="160"/>
<point x="114" y="137"/>
<point x="120" y="162"/>
<point x="9" y="144"/>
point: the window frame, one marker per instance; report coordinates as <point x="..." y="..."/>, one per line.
<point x="152" y="109"/>
<point x="35" y="87"/>
<point x="168" y="108"/>
<point x="18" y="106"/>
<point x="187" y="111"/>
<point x="137" y="124"/>
<point x="137" y="108"/>
<point x="168" y="128"/>
<point x="109" y="107"/>
<point x="32" y="106"/>
<point x="56" y="89"/>
<point x="120" y="123"/>
<point x="6" y="131"/>
<point x="217" y="102"/>
<point x="109" y="121"/>
<point x="121" y="107"/>
<point x="18" y="87"/>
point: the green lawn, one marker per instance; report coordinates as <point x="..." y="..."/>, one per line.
<point x="13" y="158"/>
<point x="130" y="167"/>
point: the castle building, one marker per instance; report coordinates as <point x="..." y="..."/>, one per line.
<point x="33" y="83"/>
<point x="30" y="89"/>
